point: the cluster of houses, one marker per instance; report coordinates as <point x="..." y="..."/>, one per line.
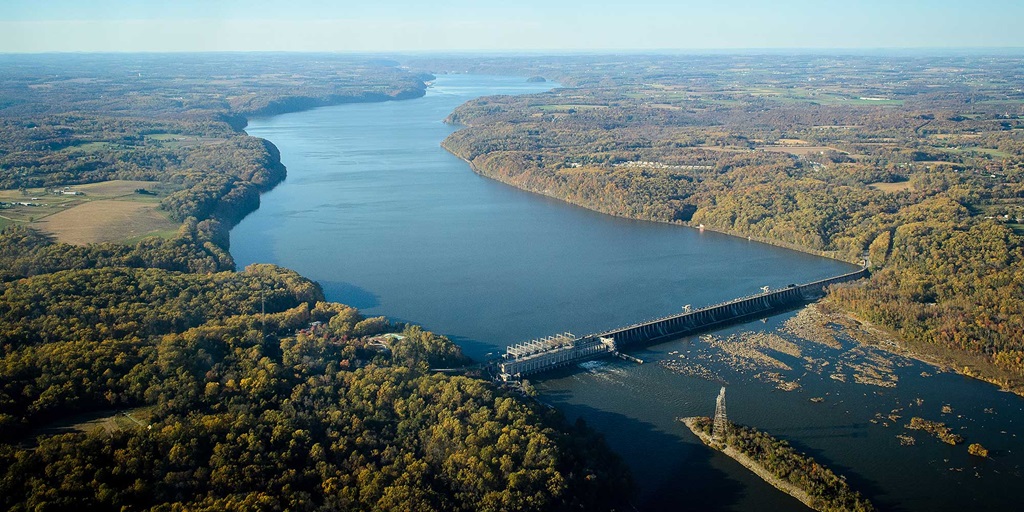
<point x="313" y="329"/>
<point x="382" y="342"/>
<point x="66" y="191"/>
<point x="19" y="203"/>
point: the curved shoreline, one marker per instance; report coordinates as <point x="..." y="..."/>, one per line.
<point x="274" y="167"/>
<point x="767" y="241"/>
<point x="958" y="366"/>
<point x="291" y="104"/>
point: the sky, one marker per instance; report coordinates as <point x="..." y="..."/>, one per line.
<point x="506" y="25"/>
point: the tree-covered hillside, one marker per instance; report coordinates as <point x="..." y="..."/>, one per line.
<point x="920" y="171"/>
<point x="301" y="408"/>
<point x="152" y="375"/>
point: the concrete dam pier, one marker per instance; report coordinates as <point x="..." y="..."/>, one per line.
<point x="564" y="349"/>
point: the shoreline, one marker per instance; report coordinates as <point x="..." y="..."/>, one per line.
<point x="767" y="241"/>
<point x="902" y="348"/>
<point x="292" y="104"/>
<point x="276" y="169"/>
<point x="952" y="364"/>
<point x="753" y="466"/>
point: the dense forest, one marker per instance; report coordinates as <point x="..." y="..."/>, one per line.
<point x="152" y="375"/>
<point x="295" y="408"/>
<point x="915" y="164"/>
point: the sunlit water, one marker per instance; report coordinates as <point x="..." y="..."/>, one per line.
<point x="386" y="220"/>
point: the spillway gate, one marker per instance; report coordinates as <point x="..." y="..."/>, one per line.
<point x="564" y="349"/>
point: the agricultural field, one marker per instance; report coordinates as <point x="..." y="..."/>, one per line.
<point x="109" y="211"/>
<point x="798" y="150"/>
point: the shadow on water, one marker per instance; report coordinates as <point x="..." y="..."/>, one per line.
<point x="868" y="488"/>
<point x="350" y="294"/>
<point x="671" y="473"/>
<point x="476" y="349"/>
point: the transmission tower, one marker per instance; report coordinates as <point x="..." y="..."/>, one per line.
<point x="721" y="423"/>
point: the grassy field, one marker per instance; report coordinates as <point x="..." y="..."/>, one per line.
<point x="994" y="153"/>
<point x="175" y="141"/>
<point x="792" y="142"/>
<point x="106" y="220"/>
<point x="891" y="187"/>
<point x="566" y="108"/>
<point x="724" y="149"/>
<point x="797" y="150"/>
<point x="875" y="101"/>
<point x="89" y="147"/>
<point x="107" y="420"/>
<point x="109" y="211"/>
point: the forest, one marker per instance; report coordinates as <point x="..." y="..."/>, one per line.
<point x="911" y="163"/>
<point x="153" y="375"/>
<point x="291" y="408"/>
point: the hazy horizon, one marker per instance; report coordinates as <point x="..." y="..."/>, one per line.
<point x="548" y="52"/>
<point x="106" y="26"/>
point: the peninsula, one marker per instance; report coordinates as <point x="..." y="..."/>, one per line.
<point x="777" y="463"/>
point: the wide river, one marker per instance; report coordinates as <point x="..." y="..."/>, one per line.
<point x="388" y="221"/>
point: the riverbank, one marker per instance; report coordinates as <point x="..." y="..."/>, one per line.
<point x="229" y="213"/>
<point x="414" y="236"/>
<point x="968" y="364"/>
<point x="564" y="196"/>
<point x="290" y="104"/>
<point x="829" y="319"/>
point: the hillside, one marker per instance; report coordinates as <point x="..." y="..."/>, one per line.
<point x="919" y="172"/>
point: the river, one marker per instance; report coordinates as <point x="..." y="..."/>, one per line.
<point x="387" y="221"/>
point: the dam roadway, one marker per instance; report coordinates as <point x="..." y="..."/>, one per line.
<point x="552" y="352"/>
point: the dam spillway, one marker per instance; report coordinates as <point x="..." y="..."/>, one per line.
<point x="553" y="352"/>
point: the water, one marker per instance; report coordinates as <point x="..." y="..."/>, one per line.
<point x="386" y="220"/>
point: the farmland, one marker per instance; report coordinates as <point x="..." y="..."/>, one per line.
<point x="108" y="211"/>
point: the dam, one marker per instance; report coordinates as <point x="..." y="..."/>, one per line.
<point x="552" y="352"/>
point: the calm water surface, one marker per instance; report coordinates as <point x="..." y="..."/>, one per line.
<point x="386" y="220"/>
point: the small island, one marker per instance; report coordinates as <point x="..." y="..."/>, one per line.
<point x="536" y="79"/>
<point x="777" y="463"/>
<point x="977" y="450"/>
<point x="937" y="429"/>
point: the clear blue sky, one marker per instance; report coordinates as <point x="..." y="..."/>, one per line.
<point x="426" y="25"/>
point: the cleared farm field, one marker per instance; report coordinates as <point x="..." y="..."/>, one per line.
<point x="108" y="211"/>
<point x="106" y="221"/>
<point x="892" y="187"/>
<point x="798" y="150"/>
